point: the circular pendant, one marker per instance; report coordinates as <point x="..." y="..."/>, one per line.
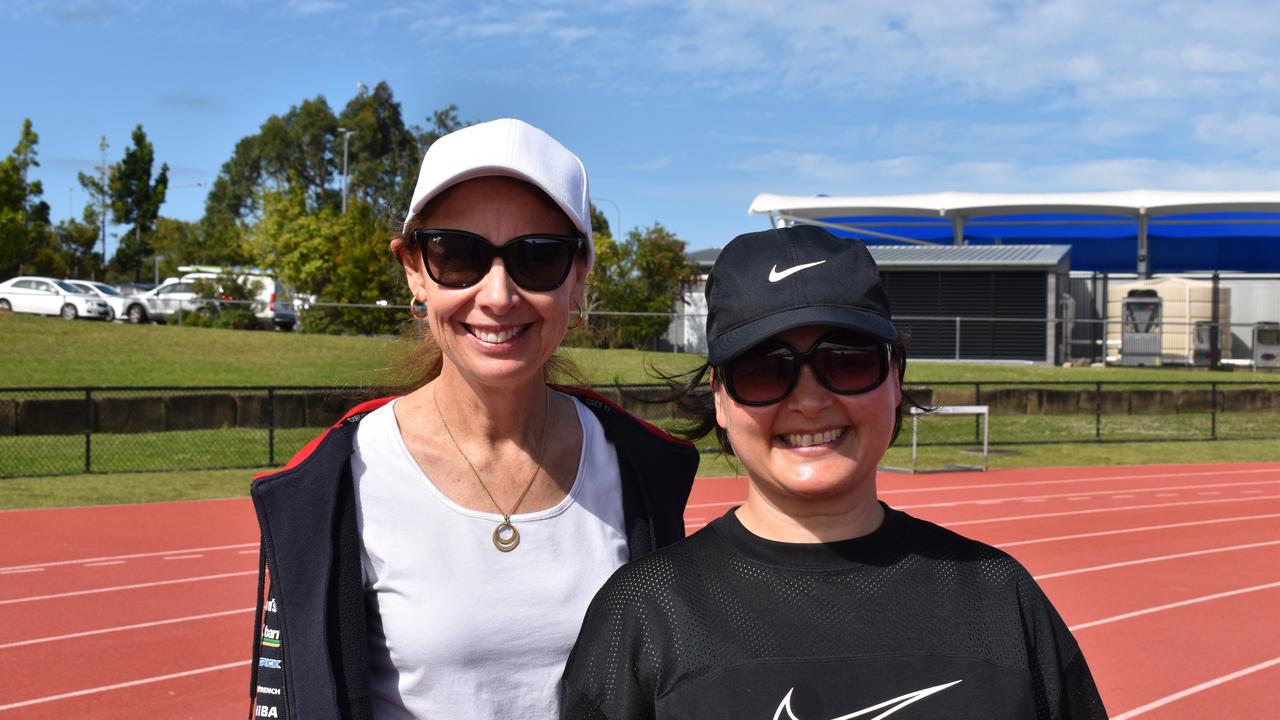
<point x="506" y="537"/>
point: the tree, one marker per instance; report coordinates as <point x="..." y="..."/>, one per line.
<point x="383" y="153"/>
<point x="24" y="215"/>
<point x="136" y="200"/>
<point x="646" y="273"/>
<point x="334" y="257"/>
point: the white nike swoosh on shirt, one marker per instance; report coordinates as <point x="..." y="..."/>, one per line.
<point x="775" y="276"/>
<point x="893" y="705"/>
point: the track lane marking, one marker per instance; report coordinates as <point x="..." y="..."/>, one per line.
<point x="1102" y="478"/>
<point x="106" y="563"/>
<point x="1161" y="702"/>
<point x="1171" y="606"/>
<point x="135" y="586"/>
<point x="183" y="557"/>
<point x="953" y="503"/>
<point x="123" y="628"/>
<point x="1146" y="528"/>
<point x="118" y="686"/>
<point x="1150" y="506"/>
<point x="20" y="571"/>
<point x="1157" y="558"/>
<point x="81" y="561"/>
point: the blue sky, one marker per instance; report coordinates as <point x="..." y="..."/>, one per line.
<point x="683" y="111"/>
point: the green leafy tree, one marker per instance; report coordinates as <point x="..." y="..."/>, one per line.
<point x="73" y="254"/>
<point x="24" y="215"/>
<point x="336" y="258"/>
<point x="645" y="273"/>
<point x="383" y="153"/>
<point x="135" y="200"/>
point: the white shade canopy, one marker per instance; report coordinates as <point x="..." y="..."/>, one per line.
<point x="1125" y="203"/>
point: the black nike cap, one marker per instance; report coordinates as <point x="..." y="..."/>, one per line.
<point x="768" y="282"/>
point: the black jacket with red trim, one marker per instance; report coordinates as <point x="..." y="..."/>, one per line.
<point x="310" y="641"/>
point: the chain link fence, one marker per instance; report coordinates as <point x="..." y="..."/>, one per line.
<point x="66" y="430"/>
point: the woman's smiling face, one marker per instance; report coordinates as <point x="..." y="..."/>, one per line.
<point x="495" y="332"/>
<point x="814" y="446"/>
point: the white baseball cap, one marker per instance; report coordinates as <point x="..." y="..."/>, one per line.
<point x="509" y="148"/>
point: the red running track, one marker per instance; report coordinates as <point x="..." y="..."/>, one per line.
<point x="1168" y="575"/>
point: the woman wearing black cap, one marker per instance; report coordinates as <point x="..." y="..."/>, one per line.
<point x="814" y="600"/>
<point x="432" y="555"/>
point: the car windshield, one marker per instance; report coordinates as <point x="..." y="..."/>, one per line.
<point x="84" y="287"/>
<point x="106" y="289"/>
<point x="68" y="287"/>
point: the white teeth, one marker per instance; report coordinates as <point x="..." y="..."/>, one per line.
<point x="501" y="336"/>
<point x="808" y="439"/>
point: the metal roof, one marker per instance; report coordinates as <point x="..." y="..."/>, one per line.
<point x="970" y="256"/>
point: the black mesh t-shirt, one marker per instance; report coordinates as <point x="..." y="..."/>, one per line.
<point x="910" y="622"/>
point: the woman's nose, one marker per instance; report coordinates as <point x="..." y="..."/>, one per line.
<point x="496" y="291"/>
<point x="809" y="396"/>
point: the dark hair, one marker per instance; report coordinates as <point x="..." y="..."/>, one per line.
<point x="692" y="395"/>
<point x="425" y="361"/>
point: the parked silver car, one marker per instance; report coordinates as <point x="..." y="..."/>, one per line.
<point x="47" y="296"/>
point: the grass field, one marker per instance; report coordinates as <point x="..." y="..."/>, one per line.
<point x="40" y="351"/>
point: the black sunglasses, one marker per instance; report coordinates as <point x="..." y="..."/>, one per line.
<point x="845" y="363"/>
<point x="459" y="259"/>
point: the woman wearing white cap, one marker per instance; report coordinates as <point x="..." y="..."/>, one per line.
<point x="814" y="599"/>
<point x="433" y="554"/>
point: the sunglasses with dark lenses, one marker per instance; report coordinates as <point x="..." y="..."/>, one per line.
<point x="845" y="363"/>
<point x="459" y="259"/>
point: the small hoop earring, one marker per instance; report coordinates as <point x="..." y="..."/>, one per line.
<point x="577" y="322"/>
<point x="414" y="304"/>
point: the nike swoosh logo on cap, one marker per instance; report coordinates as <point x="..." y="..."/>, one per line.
<point x="893" y="705"/>
<point x="775" y="276"/>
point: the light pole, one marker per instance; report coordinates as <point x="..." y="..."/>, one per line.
<point x="346" y="136"/>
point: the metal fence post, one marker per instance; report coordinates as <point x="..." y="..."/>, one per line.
<point x="271" y="426"/>
<point x="1213" y="410"/>
<point x="977" y="400"/>
<point x="957" y="338"/>
<point x="88" y="430"/>
<point x="1097" y="413"/>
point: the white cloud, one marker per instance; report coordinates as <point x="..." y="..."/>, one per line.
<point x="314" y="7"/>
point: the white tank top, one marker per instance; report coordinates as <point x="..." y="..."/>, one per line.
<point x="458" y="629"/>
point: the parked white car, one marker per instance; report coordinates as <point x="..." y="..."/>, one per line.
<point x="114" y="299"/>
<point x="271" y="303"/>
<point x="47" y="296"/>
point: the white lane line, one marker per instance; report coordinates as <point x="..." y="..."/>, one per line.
<point x="255" y="552"/>
<point x="1145" y="528"/>
<point x="1121" y="497"/>
<point x="1062" y="495"/>
<point x="1209" y="492"/>
<point x="1034" y="500"/>
<point x="122" y="628"/>
<point x="722" y="503"/>
<point x="183" y="557"/>
<point x="1176" y="494"/>
<point x="957" y="523"/>
<point x="1158" y="558"/>
<point x="135" y="586"/>
<point x="1251" y="492"/>
<point x="1078" y="499"/>
<point x="81" y="561"/>
<point x="22" y="570"/>
<point x="106" y="563"/>
<point x="1195" y="689"/>
<point x="1170" y="606"/>
<point x="118" y="686"/>
<point x="1101" y="478"/>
